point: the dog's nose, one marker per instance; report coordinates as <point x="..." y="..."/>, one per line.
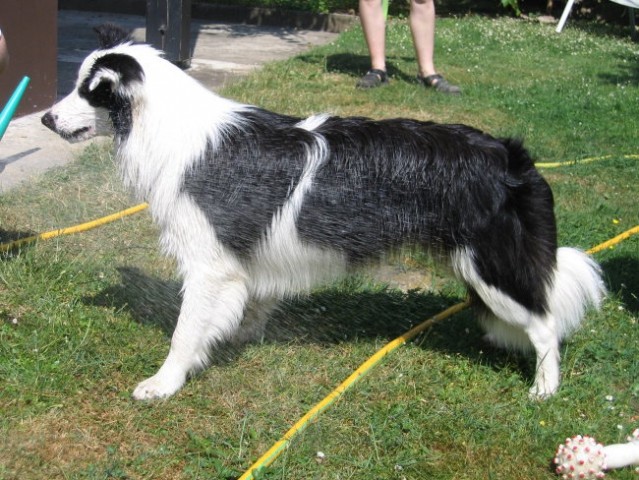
<point x="48" y="120"/>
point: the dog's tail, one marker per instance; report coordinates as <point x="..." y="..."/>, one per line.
<point x="529" y="293"/>
<point x="577" y="286"/>
<point x="518" y="259"/>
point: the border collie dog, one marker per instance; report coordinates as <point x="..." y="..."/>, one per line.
<point x="257" y="206"/>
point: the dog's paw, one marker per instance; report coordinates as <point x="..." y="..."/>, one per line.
<point x="156" y="387"/>
<point x="546" y="381"/>
<point x="540" y="391"/>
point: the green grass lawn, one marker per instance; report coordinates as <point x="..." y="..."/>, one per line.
<point x="84" y="318"/>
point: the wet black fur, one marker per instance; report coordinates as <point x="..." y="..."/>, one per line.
<point x="385" y="184"/>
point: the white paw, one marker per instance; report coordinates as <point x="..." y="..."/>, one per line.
<point x="541" y="391"/>
<point x="157" y="387"/>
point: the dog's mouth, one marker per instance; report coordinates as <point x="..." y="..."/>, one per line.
<point x="76" y="135"/>
<point x="49" y="121"/>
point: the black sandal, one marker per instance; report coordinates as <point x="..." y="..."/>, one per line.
<point x="373" y="78"/>
<point x="439" y="83"/>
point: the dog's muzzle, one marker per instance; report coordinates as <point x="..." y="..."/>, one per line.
<point x="48" y="120"/>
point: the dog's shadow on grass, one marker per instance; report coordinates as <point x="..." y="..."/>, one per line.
<point x="150" y="301"/>
<point x="7" y="237"/>
<point x="622" y="277"/>
<point x="342" y="313"/>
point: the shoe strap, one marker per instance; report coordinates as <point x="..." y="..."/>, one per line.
<point x="376" y="71"/>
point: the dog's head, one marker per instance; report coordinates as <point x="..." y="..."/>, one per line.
<point x="101" y="101"/>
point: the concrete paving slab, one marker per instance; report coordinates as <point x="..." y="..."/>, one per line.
<point x="222" y="52"/>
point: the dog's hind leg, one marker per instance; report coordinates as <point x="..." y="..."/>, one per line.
<point x="256" y="316"/>
<point x="511" y="325"/>
<point x="576" y="284"/>
<point x="540" y="336"/>
<point x="212" y="308"/>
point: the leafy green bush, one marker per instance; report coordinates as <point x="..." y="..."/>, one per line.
<point x="315" y="6"/>
<point x="513" y="4"/>
<point x="589" y="9"/>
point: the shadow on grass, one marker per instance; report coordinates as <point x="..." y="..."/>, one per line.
<point x="8" y="236"/>
<point x="628" y="72"/>
<point x="346" y="312"/>
<point x="357" y="65"/>
<point x="613" y="27"/>
<point x="150" y="301"/>
<point x="622" y="275"/>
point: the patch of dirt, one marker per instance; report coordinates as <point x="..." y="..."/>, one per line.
<point x="402" y="278"/>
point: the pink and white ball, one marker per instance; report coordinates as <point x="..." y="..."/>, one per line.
<point x="581" y="457"/>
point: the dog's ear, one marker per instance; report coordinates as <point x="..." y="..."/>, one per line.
<point x="110" y="35"/>
<point x="113" y="71"/>
<point x="105" y="78"/>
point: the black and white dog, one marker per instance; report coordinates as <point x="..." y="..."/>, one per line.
<point x="256" y="206"/>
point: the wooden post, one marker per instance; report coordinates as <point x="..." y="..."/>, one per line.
<point x="168" y="27"/>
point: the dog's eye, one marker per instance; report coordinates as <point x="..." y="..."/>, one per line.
<point x="97" y="93"/>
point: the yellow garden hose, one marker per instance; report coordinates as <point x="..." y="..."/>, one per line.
<point x="269" y="457"/>
<point x="613" y="241"/>
<point x="584" y="160"/>
<point x="83" y="227"/>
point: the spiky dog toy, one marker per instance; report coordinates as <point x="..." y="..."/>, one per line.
<point x="581" y="457"/>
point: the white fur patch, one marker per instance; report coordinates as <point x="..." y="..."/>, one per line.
<point x="313" y="122"/>
<point x="283" y="264"/>
<point x="502" y="305"/>
<point x="105" y="75"/>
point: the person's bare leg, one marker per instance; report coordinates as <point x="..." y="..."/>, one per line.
<point x="374" y="26"/>
<point x="422" y="26"/>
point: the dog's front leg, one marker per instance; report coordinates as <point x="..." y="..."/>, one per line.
<point x="212" y="309"/>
